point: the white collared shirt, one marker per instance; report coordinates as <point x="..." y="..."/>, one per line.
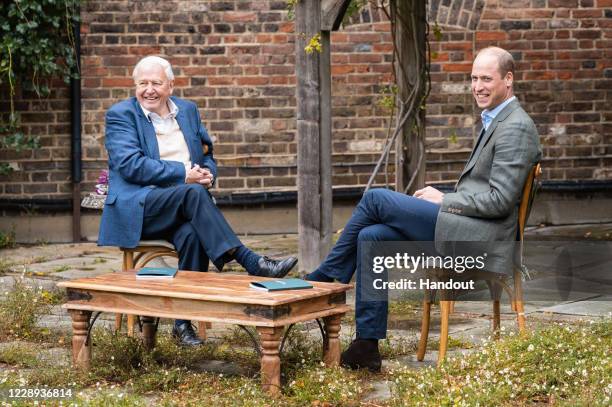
<point x="487" y="116"/>
<point x="170" y="139"/>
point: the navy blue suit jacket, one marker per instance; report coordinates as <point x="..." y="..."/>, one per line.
<point x="135" y="167"/>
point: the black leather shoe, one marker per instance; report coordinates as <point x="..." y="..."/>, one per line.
<point x="185" y="335"/>
<point x="275" y="268"/>
<point x="362" y="354"/>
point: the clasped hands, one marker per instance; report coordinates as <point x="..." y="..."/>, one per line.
<point x="430" y="194"/>
<point x="198" y="175"/>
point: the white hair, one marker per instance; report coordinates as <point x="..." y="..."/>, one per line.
<point x="154" y="60"/>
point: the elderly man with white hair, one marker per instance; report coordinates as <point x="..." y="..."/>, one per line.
<point x="161" y="166"/>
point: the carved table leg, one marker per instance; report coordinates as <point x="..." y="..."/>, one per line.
<point x="81" y="347"/>
<point x="332" y="345"/>
<point x="270" y="359"/>
<point x="148" y="332"/>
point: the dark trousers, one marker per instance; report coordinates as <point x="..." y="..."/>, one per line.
<point x="381" y="215"/>
<point x="187" y="216"/>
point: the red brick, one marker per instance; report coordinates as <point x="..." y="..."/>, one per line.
<point x="589" y="13"/>
<point x="465" y="67"/>
<point x="457" y="46"/>
<point x="118" y="82"/>
<point x="220" y="80"/>
<point x="491" y="36"/>
<point x="236" y="17"/>
<point x="252" y="80"/>
<point x="342" y="69"/>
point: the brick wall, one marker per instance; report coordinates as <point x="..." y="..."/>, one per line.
<point x="235" y="60"/>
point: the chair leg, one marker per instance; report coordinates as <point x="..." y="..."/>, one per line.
<point x="128" y="264"/>
<point x="202" y="327"/>
<point x="131" y="321"/>
<point x="518" y="303"/>
<point x="496" y="318"/>
<point x="422" y="348"/>
<point x="118" y="322"/>
<point x="444" y="316"/>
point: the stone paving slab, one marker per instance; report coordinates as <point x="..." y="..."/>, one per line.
<point x="600" y="306"/>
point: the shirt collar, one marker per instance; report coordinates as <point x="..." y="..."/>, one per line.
<point x="152" y="115"/>
<point x="488" y="115"/>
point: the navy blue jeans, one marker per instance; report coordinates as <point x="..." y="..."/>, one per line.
<point x="381" y="215"/>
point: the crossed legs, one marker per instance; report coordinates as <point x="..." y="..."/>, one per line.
<point x="381" y="215"/>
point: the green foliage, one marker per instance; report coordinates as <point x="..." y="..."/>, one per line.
<point x="18" y="354"/>
<point x="325" y="386"/>
<point x="291" y="9"/>
<point x="7" y="239"/>
<point x="21" y="308"/>
<point x="568" y="364"/>
<point x="353" y="9"/>
<point x="387" y="97"/>
<point x="36" y="44"/>
<point x="111" y="399"/>
<point x="314" y="44"/>
<point x="437" y="32"/>
<point x="14" y="138"/>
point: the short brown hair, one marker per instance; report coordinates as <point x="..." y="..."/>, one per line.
<point x="504" y="59"/>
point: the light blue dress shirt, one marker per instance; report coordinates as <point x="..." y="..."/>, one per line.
<point x="488" y="115"/>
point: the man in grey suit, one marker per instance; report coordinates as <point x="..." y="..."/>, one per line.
<point x="483" y="206"/>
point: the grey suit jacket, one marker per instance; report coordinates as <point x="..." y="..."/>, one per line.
<point x="484" y="205"/>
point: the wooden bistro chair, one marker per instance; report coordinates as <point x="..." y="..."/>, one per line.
<point x="515" y="292"/>
<point x="140" y="256"/>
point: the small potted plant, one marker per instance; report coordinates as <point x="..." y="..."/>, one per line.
<point x="95" y="200"/>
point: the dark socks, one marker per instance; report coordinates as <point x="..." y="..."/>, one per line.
<point x="178" y="322"/>
<point x="247" y="259"/>
<point x="318" y="276"/>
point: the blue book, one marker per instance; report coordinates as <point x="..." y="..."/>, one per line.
<point x="280" y="285"/>
<point x="156" y="272"/>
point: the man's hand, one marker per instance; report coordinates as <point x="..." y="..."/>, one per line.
<point x="430" y="194"/>
<point x="198" y="175"/>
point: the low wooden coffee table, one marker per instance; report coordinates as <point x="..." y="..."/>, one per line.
<point x="210" y="297"/>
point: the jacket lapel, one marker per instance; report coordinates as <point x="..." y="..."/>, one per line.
<point x="150" y="139"/>
<point x="487" y="136"/>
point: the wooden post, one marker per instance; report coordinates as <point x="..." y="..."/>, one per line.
<point x="314" y="127"/>
<point x="81" y="347"/>
<point x="407" y="154"/>
<point x="309" y="129"/>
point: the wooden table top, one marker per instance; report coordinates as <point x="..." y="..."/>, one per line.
<point x="224" y="287"/>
